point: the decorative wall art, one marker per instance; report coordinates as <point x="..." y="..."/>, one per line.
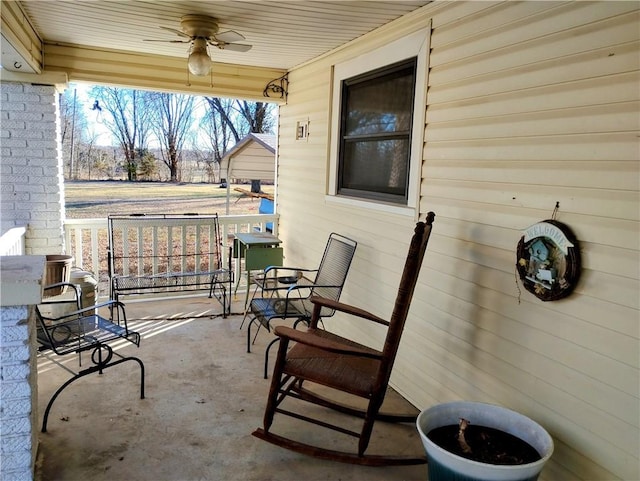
<point x="549" y="260"/>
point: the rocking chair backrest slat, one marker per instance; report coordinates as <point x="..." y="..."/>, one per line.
<point x="407" y="286"/>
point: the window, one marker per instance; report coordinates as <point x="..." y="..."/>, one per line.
<point x="377" y="126"/>
<point x="375" y="133"/>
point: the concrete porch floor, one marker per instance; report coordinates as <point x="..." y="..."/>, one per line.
<point x="204" y="397"/>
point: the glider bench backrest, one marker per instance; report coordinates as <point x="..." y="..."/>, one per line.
<point x="161" y="253"/>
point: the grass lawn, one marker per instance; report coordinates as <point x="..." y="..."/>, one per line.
<point x="97" y="199"/>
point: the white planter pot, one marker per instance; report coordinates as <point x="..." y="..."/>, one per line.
<point x="446" y="466"/>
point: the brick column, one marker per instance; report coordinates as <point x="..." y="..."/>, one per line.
<point x="31" y="180"/>
<point x="20" y="289"/>
<point x="32" y="195"/>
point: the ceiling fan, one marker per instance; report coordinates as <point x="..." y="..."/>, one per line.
<point x="201" y="31"/>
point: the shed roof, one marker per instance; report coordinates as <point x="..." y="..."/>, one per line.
<point x="266" y="140"/>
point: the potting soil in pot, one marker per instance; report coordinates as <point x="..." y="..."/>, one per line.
<point x="484" y="444"/>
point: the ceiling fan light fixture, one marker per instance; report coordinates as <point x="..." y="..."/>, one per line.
<point x="199" y="62"/>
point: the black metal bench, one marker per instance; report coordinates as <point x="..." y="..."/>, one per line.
<point x="162" y="253"/>
<point x="64" y="327"/>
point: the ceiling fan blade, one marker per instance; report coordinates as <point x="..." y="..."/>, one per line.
<point x="177" y="32"/>
<point x="235" y="47"/>
<point x="228" y="36"/>
<point x="165" y="41"/>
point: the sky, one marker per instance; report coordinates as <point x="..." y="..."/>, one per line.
<point x="93" y="116"/>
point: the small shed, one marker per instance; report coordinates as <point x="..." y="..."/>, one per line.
<point x="253" y="157"/>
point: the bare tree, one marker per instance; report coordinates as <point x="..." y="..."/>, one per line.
<point x="258" y="115"/>
<point x="87" y="153"/>
<point x="128" y="121"/>
<point x="219" y="129"/>
<point x="73" y="124"/>
<point x="205" y="161"/>
<point x="102" y="165"/>
<point x="172" y="121"/>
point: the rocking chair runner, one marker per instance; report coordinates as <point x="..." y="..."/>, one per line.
<point x="324" y="358"/>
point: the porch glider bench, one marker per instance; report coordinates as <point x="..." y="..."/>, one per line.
<point x="164" y="253"/>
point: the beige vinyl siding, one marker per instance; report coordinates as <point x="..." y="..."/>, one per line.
<point x="503" y="117"/>
<point x="529" y="104"/>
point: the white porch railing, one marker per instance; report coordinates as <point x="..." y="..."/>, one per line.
<point x="87" y="240"/>
<point x="12" y="242"/>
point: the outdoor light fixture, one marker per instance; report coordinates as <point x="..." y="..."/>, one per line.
<point x="199" y="61"/>
<point x="200" y="31"/>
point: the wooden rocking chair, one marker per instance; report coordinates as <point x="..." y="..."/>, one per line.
<point x="321" y="357"/>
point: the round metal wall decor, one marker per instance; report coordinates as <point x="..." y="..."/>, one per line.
<point x="549" y="260"/>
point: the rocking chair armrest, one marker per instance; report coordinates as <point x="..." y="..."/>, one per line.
<point x="348" y="309"/>
<point x="309" y="338"/>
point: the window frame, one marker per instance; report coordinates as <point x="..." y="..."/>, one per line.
<point x="413" y="45"/>
<point x="354" y="83"/>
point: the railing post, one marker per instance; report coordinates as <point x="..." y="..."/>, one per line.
<point x="12" y="242"/>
